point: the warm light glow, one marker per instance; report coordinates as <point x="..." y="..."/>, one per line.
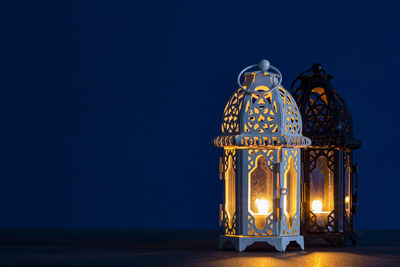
<point x="262" y="206"/>
<point x="347" y="199"/>
<point x="316" y="206"/>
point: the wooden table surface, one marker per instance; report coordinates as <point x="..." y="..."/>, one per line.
<point x="181" y="248"/>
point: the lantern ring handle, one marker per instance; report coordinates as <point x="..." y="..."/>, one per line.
<point x="264" y="65"/>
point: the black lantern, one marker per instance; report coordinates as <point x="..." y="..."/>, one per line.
<point x="329" y="193"/>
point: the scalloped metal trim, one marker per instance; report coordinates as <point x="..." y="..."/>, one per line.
<point x="261" y="141"/>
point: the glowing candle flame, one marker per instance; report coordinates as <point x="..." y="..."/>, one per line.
<point x="262" y="206"/>
<point x="347" y="199"/>
<point x="316" y="206"/>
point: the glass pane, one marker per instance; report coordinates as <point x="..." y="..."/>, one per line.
<point x="322" y="190"/>
<point x="261" y="188"/>
<point x="290" y="200"/>
<point x="261" y="192"/>
<point x="230" y="199"/>
<point x="347" y="189"/>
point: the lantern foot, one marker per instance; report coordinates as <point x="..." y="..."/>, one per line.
<point x="239" y="243"/>
<point x="278" y="242"/>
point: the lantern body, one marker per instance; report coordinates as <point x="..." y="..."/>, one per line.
<point x="329" y="196"/>
<point x="261" y="166"/>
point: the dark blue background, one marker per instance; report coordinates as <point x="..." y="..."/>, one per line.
<point x="108" y="108"/>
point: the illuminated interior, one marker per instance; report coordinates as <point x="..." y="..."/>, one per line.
<point x="321" y="92"/>
<point x="230" y="198"/>
<point x="321" y="187"/>
<point x="316" y="206"/>
<point x="290" y="200"/>
<point x="261" y="192"/>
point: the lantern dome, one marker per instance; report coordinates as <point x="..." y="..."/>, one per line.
<point x="261" y="113"/>
<point x="326" y="118"/>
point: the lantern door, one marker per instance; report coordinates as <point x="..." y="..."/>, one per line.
<point x="323" y="188"/>
<point x="259" y="196"/>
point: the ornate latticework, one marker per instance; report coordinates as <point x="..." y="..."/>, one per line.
<point x="290" y="153"/>
<point x="326" y="118"/>
<point x="260" y="113"/>
<point x="254" y="153"/>
<point x="230" y="120"/>
<point x="261" y="117"/>
<point x="330" y="226"/>
<point x="291" y="113"/>
<point x="229" y="229"/>
<point x="313" y="227"/>
<point x="268" y="230"/>
<point x="230" y="153"/>
<point x="317" y="154"/>
<point x="292" y="230"/>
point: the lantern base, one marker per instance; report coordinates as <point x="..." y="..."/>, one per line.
<point x="278" y="242"/>
<point x="336" y="239"/>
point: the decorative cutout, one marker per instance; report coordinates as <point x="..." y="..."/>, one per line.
<point x="230" y="153"/>
<point x="254" y="153"/>
<point x="312" y="225"/>
<point x="286" y="154"/>
<point x="292" y="119"/>
<point x="230" y="228"/>
<point x="318" y="153"/>
<point x="230" y="120"/>
<point x="261" y="112"/>
<point x="268" y="230"/>
<point x="331" y="222"/>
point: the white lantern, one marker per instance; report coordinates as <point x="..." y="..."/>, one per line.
<point x="261" y="166"/>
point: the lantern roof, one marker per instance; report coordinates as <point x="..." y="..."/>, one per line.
<point x="326" y="118"/>
<point x="261" y="113"/>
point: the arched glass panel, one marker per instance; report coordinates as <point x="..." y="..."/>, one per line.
<point x="230" y="191"/>
<point x="290" y="199"/>
<point x="261" y="192"/>
<point x="322" y="190"/>
<point x="261" y="188"/>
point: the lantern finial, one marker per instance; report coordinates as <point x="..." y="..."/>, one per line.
<point x="264" y="65"/>
<point x="317" y="68"/>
